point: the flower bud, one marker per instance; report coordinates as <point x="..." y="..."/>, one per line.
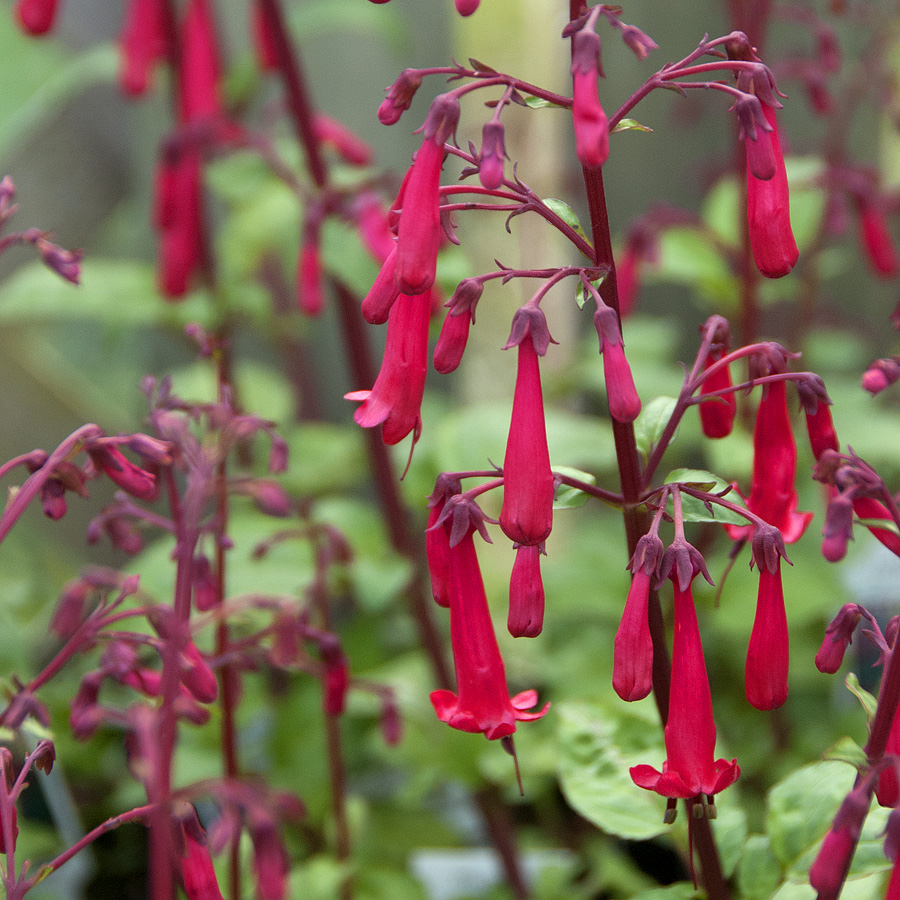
<point x="880" y="375"/>
<point x="838" y="528"/>
<point x="352" y="149"/>
<point x="493" y="151"/>
<point x="399" y="96"/>
<point x="526" y="593"/>
<point x="622" y="396"/>
<point x="37" y="17"/>
<point x="466" y="7"/>
<point x="838" y="636"/>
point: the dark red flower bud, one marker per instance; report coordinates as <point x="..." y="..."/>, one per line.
<point x="131" y="478"/>
<point x="880" y="375"/>
<point x="838" y="636"/>
<point x="588" y="117"/>
<point x="621" y="394"/>
<point x="399" y="96"/>
<point x="717" y="414"/>
<point x="263" y="39"/>
<point x="838" y="528"/>
<point x="451" y="343"/>
<point x="633" y="650"/>
<point x="37" y="17"/>
<point x="376" y="305"/>
<point x="310" y="292"/>
<point x="526" y="593"/>
<point x="466" y="7"/>
<point x="391" y="723"/>
<point x="876" y="238"/>
<point x="493" y="152"/>
<point x="142" y="42"/>
<point x="637" y="41"/>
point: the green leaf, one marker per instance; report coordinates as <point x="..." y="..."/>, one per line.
<point x="693" y="509"/>
<point x="631" y="125"/>
<point x="567" y="497"/>
<point x="567" y="214"/>
<point x="541" y="103"/>
<point x="680" y="890"/>
<point x="730" y="829"/>
<point x="597" y="746"/>
<point x="868" y="702"/>
<point x="721" y="210"/>
<point x="848" y="751"/>
<point x="689" y="256"/>
<point x="652" y="421"/>
<point x="759" y="872"/>
<point x="801" y="807"/>
<point x="882" y="524"/>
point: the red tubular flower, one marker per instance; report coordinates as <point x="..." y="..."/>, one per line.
<point x="377" y="304"/>
<point x="37" y="17"/>
<point x="621" y="394"/>
<point x="142" y="42"/>
<point x="310" y="293"/>
<point x="526" y="516"/>
<point x="493" y="152"/>
<point x="526" y="593"/>
<point x="717" y="415"/>
<point x="466" y="7"/>
<point x="822" y="435"/>
<point x="419" y="230"/>
<point x="396" y="397"/>
<point x="875" y="236"/>
<point x="351" y="148"/>
<point x="179" y="218"/>
<point x="869" y="508"/>
<point x="838" y="636"/>
<point x="588" y="118"/>
<point x="200" y="69"/>
<point x="131" y="478"/>
<point x="829" y="870"/>
<point x="690" y="733"/>
<point x="270" y="862"/>
<point x="772" y="493"/>
<point x="197" y="871"/>
<point x="887" y="789"/>
<point x="451" y="344"/>
<point x="768" y="655"/>
<point x="482" y="702"/>
<point x="372" y="223"/>
<point x="768" y="212"/>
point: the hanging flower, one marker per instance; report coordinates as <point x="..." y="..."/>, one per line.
<point x="396" y="397"/>
<point x="142" y="43"/>
<point x="526" y="593"/>
<point x="621" y="394"/>
<point x="690" y="771"/>
<point x="527" y="513"/>
<point x="482" y="702"/>
<point x="768" y="209"/>
<point x="588" y="118"/>
<point x="717" y="415"/>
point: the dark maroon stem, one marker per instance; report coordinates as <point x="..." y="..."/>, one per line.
<point x="636" y="520"/>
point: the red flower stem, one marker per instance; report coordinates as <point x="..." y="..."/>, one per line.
<point x="606" y="496"/>
<point x="472" y="493"/>
<point x="636" y="519"/>
<point x="139" y="812"/>
<point x="500" y="78"/>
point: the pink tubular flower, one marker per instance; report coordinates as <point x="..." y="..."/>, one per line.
<point x="876" y="239"/>
<point x="372" y="224"/>
<point x="621" y="394"/>
<point x="526" y="593"/>
<point x="437" y="539"/>
<point x="179" y="218"/>
<point x="869" y="508"/>
<point x="838" y="636"/>
<point x="838" y="528"/>
<point x="377" y="304"/>
<point x="773" y="496"/>
<point x="526" y="516"/>
<point x="419" y="229"/>
<point x="351" y="148"/>
<point x="829" y="870"/>
<point x="131" y="478"/>
<point x="588" y="118"/>
<point x="690" y="733"/>
<point x="768" y="212"/>
<point x="482" y="702"/>
<point x="451" y="344"/>
<point x="310" y="293"/>
<point x="396" y="397"/>
<point x="142" y="42"/>
<point x="270" y="862"/>
<point x="466" y="7"/>
<point x="493" y="152"/>
<point x="887" y="789"/>
<point x="200" y="69"/>
<point x="717" y="414"/>
<point x="37" y="17"/>
<point x="768" y="655"/>
<point x="197" y="871"/>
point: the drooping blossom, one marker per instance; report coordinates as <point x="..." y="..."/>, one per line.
<point x="37" y="17"/>
<point x="639" y="248"/>
<point x="838" y="528"/>
<point x="773" y="495"/>
<point x="621" y="394"/>
<point x="838" y="636"/>
<point x="819" y="424"/>
<point x="527" y="513"/>
<point x="493" y="152"/>
<point x="887" y="789"/>
<point x="466" y="7"/>
<point x="270" y="861"/>
<point x="875" y="236"/>
<point x="717" y="414"/>
<point x="690" y="769"/>
<point x="482" y="702"/>
<point x="768" y="211"/>
<point x="142" y="43"/>
<point x="200" y="74"/>
<point x="419" y="229"/>
<point x="881" y="374"/>
<point x="197" y="872"/>
<point x="588" y="117"/>
<point x="131" y="478"/>
<point x="179" y="221"/>
<point x="376" y="305"/>
<point x="829" y="869"/>
<point x="372" y="225"/>
<point x="768" y="654"/>
<point x="399" y="96"/>
<point x="437" y="539"/>
<point x="451" y="342"/>
<point x="351" y="148"/>
<point x="869" y="508"/>
<point x="633" y="649"/>
<point x="526" y="593"/>
<point x="396" y="397"/>
<point x="310" y="277"/>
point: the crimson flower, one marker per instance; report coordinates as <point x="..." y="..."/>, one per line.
<point x="869" y="508"/>
<point x="768" y="210"/>
<point x="876" y="238"/>
<point x="197" y="871"/>
<point x="419" y="229"/>
<point x="527" y="513"/>
<point x="766" y="672"/>
<point x="621" y="394"/>
<point x="179" y="217"/>
<point x="717" y="414"/>
<point x="838" y="636"/>
<point x="773" y="496"/>
<point x="588" y="118"/>
<point x="310" y="294"/>
<point x="142" y="42"/>
<point x="131" y="478"/>
<point x="396" y="396"/>
<point x="482" y="702"/>
<point x="887" y="789"/>
<point x="690" y="733"/>
<point x="37" y="17"/>
<point x="526" y="593"/>
<point x="829" y="869"/>
<point x="200" y="69"/>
